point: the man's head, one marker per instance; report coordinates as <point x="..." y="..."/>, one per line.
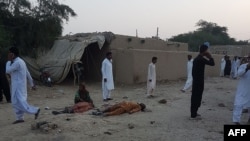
<point x="14" y="50"/>
<point x="82" y="86"/>
<point x="203" y="48"/>
<point x="143" y="106"/>
<point x="189" y="57"/>
<point x="154" y="59"/>
<point x="109" y="55"/>
<point x="235" y="57"/>
<point x="248" y="58"/>
<point x="244" y="60"/>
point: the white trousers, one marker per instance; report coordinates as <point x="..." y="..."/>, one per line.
<point x="188" y="83"/>
<point x="105" y="92"/>
<point x="22" y="107"/>
<point x="222" y="72"/>
<point x="235" y="73"/>
<point x="237" y="112"/>
<point x="150" y="91"/>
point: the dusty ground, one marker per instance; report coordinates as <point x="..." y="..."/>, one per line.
<point x="168" y="121"/>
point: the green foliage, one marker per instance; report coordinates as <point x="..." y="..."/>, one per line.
<point x="30" y="28"/>
<point x="4" y="37"/>
<point x="207" y="31"/>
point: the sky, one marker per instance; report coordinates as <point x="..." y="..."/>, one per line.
<point x="171" y="17"/>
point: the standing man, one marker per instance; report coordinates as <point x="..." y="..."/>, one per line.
<point x="19" y="74"/>
<point x="107" y="77"/>
<point x="233" y="70"/>
<point x="222" y="66"/>
<point x="78" y="71"/>
<point x="242" y="97"/>
<point x="236" y="66"/>
<point x="198" y="79"/>
<point x="151" y="80"/>
<point x="228" y="67"/>
<point x="4" y="84"/>
<point x="189" y="74"/>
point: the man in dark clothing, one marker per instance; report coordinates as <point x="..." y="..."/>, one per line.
<point x="227" y="69"/>
<point x="198" y="78"/>
<point x="4" y="84"/>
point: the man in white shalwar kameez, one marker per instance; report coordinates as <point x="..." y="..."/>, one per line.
<point x="107" y="77"/>
<point x="19" y="74"/>
<point x="222" y="66"/>
<point x="242" y="97"/>
<point x="151" y="79"/>
<point x="233" y="71"/>
<point x="189" y="81"/>
<point x="236" y="66"/>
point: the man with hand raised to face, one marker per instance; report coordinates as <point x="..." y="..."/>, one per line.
<point x="19" y="74"/>
<point x="204" y="58"/>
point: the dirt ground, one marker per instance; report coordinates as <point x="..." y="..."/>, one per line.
<point x="160" y="122"/>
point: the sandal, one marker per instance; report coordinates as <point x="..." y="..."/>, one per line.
<point x="18" y="121"/>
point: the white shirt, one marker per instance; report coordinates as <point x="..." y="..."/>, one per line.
<point x="19" y="75"/>
<point x="223" y="64"/>
<point x="151" y="75"/>
<point x="189" y="67"/>
<point x="107" y="72"/>
<point x="242" y="96"/>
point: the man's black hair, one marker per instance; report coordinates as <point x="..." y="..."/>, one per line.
<point x="154" y="58"/>
<point x="14" y="50"/>
<point x="108" y="53"/>
<point x="143" y="106"/>
<point x="203" y="48"/>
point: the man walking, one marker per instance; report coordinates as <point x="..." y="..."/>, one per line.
<point x="19" y="73"/>
<point x="107" y="77"/>
<point x="189" y="74"/>
<point x="151" y="79"/>
<point x="242" y="97"/>
<point x="198" y="79"/>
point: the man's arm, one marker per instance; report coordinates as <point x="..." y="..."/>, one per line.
<point x="209" y="62"/>
<point x="88" y="98"/>
<point x="243" y="69"/>
<point x="150" y="72"/>
<point x="29" y="78"/>
<point x="11" y="67"/>
<point x="104" y="75"/>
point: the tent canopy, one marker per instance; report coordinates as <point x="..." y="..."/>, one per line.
<point x="65" y="51"/>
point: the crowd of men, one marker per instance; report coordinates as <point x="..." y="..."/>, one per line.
<point x="17" y="71"/>
<point x="229" y="68"/>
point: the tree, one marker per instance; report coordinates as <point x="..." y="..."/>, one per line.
<point x="207" y="31"/>
<point x="31" y="27"/>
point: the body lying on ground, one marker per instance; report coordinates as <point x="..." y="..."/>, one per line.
<point x="82" y="100"/>
<point x="123" y="107"/>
